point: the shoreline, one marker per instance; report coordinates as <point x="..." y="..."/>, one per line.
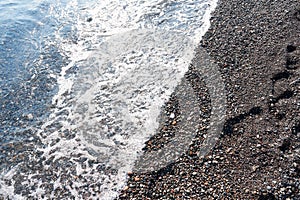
<point x="256" y="46"/>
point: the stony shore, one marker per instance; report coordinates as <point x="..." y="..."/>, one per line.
<point x="256" y="45"/>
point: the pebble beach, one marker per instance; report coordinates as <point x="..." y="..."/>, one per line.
<point x="129" y="99"/>
<point x="256" y="46"/>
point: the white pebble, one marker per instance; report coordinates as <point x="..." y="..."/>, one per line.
<point x="172" y="115"/>
<point x="30" y="116"/>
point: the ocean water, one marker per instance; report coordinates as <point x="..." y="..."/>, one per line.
<point x="82" y="85"/>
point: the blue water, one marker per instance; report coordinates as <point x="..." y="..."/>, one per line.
<point x="77" y="79"/>
<point x="25" y="85"/>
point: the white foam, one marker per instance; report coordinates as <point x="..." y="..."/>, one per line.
<point x="8" y="191"/>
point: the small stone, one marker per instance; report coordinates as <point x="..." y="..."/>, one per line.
<point x="136" y="178"/>
<point x="215" y="162"/>
<point x="191" y="153"/>
<point x="228" y="150"/>
<point x="174" y="122"/>
<point x="254" y="168"/>
<point x="30" y="116"/>
<point x="254" y="192"/>
<point x="172" y="115"/>
<point x="125" y="188"/>
<point x="295" y="164"/>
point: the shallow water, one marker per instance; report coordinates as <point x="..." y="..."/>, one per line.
<point x="82" y="86"/>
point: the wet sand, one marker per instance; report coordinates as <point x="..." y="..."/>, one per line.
<point x="256" y="45"/>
